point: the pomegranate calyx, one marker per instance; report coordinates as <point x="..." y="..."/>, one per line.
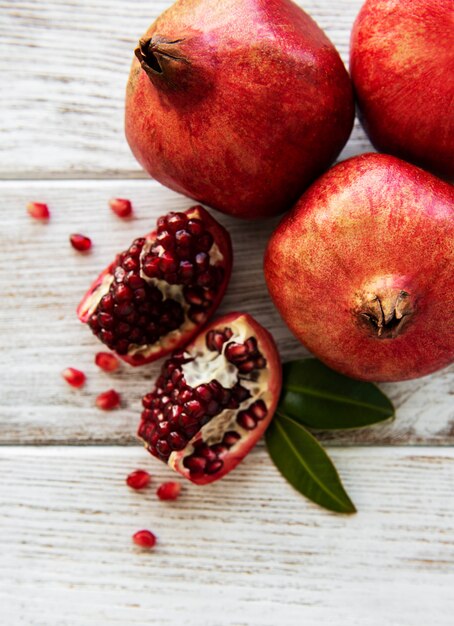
<point x="385" y="310"/>
<point x="158" y="56"/>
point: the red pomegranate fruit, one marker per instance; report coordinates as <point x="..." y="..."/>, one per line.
<point x="362" y="269"/>
<point x="213" y="402"/>
<point x="237" y="103"/>
<point x="402" y="65"/>
<point x="157" y="294"/>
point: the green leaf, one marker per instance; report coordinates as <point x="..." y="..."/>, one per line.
<point x="319" y="398"/>
<point x="304" y="463"/>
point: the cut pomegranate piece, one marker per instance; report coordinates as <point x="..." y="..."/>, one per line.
<point x="73" y="377"/>
<point x="106" y="361"/>
<point x="168" y="491"/>
<point x="139" y="479"/>
<point x="157" y="294"/>
<point x="80" y="242"/>
<point x="38" y="210"/>
<point x="108" y="400"/>
<point x="121" y="207"/>
<point x="212" y="402"/>
<point x="144" y="539"/>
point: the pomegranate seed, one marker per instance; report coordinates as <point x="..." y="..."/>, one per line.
<point x="106" y="361"/>
<point x="139" y="479"/>
<point x="246" y="420"/>
<point x="144" y="539"/>
<point x="214" y="467"/>
<point x="38" y="210"/>
<point x="80" y="242"/>
<point x="168" y="491"/>
<point x="108" y="400"/>
<point x="121" y="207"/>
<point x="73" y="377"/>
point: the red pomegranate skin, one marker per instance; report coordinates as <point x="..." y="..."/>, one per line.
<point x="362" y="269"/>
<point x="402" y="66"/>
<point x="248" y="103"/>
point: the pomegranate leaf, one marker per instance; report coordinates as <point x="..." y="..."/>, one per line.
<point x="319" y="398"/>
<point x="305" y="465"/>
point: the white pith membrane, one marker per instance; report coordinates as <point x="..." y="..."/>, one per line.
<point x="209" y="365"/>
<point x="174" y="292"/>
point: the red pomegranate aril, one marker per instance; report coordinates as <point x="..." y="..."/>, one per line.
<point x="235" y="351"/>
<point x="144" y="539"/>
<point x="107" y="361"/>
<point x="247" y="366"/>
<point x="168" y="491"/>
<point x="108" y="400"/>
<point x="151" y="267"/>
<point x="139" y="479"/>
<point x="163" y="448"/>
<point x="246" y="420"/>
<point x="195" y="464"/>
<point x="196" y="408"/>
<point x="231" y="438"/>
<point x="214" y="467"/>
<point x="218" y="449"/>
<point x="202" y="261"/>
<point x="74" y="377"/>
<point x="121" y="207"/>
<point x="176" y="441"/>
<point x="38" y="210"/>
<point x="168" y="263"/>
<point x="205" y="242"/>
<point x="204" y="393"/>
<point x="207" y="453"/>
<point x="195" y="227"/>
<point x="259" y="410"/>
<point x="106" y="320"/>
<point x="176" y="221"/>
<point x="163" y="428"/>
<point x="80" y="242"/>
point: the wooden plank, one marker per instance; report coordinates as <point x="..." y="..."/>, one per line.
<point x="246" y="551"/>
<point x="44" y="279"/>
<point x="66" y="66"/>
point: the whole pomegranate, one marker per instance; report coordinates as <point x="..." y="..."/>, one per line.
<point x="212" y="402"/>
<point x="402" y="65"/>
<point x="237" y="103"/>
<point x="157" y="294"/>
<point x="362" y="269"/>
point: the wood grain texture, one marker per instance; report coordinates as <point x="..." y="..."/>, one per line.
<point x="66" y="62"/>
<point x="44" y="278"/>
<point x="247" y="551"/>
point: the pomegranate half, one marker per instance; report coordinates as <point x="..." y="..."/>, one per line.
<point x="239" y="104"/>
<point x="213" y="402"/>
<point x="362" y="269"/>
<point x="157" y="294"/>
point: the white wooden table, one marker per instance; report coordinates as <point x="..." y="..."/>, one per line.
<point x="248" y="550"/>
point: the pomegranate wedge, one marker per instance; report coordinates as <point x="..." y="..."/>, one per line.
<point x="157" y="294"/>
<point x="213" y="402"/>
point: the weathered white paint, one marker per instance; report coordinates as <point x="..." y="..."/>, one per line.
<point x="66" y="62"/>
<point x="246" y="551"/>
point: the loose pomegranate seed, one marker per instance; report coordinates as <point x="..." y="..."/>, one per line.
<point x="108" y="400"/>
<point x="107" y="361"/>
<point x="144" y="539"/>
<point x="80" y="242"/>
<point x="73" y="377"/>
<point x="139" y="479"/>
<point x="168" y="491"/>
<point x="121" y="207"/>
<point x="38" y="210"/>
